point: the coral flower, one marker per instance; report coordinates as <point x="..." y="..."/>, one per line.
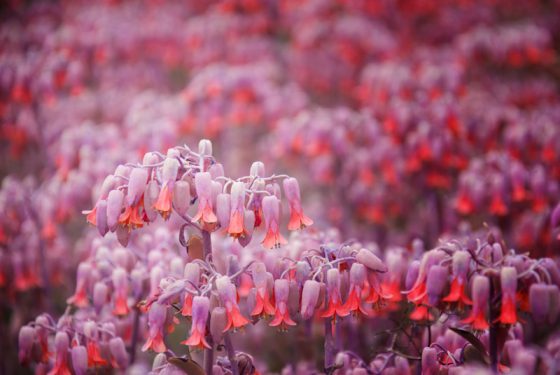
<point x="358" y="282"/>
<point x="80" y="297"/>
<point x="271" y="211"/>
<point x="298" y="219"/>
<point x="460" y="268"/>
<point x="481" y="294"/>
<point x="120" y="284"/>
<point x="200" y="308"/>
<point x="156" y="321"/>
<point x="227" y="293"/>
<point x="263" y="305"/>
<point x="169" y="172"/>
<point x="235" y="228"/>
<point x="281" y="313"/>
<point x="61" y="366"/>
<point x="508" y="279"/>
<point x="205" y="213"/>
<point x="334" y="304"/>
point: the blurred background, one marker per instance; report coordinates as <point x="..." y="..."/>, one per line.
<point x="402" y="119"/>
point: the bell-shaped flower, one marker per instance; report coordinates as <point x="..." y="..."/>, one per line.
<point x="107" y="185"/>
<point x="228" y="296"/>
<point x="298" y="219"/>
<point x="460" y="268"/>
<point x="271" y="213"/>
<point x="181" y="197"/>
<point x="481" y="294"/>
<point x="334" y="301"/>
<point x="80" y="297"/>
<point x="192" y="277"/>
<point x="237" y="206"/>
<point x="136" y="185"/>
<point x="223" y="209"/>
<point x="508" y="281"/>
<point x="61" y="363"/>
<point x="218" y="323"/>
<point x="92" y="345"/>
<point x="418" y="292"/>
<point x="358" y="283"/>
<point x="120" y="285"/>
<point x="281" y="312"/>
<point x="205" y="213"/>
<point x="263" y="305"/>
<point x="200" y="309"/>
<point x="156" y="321"/>
<point x="168" y="176"/>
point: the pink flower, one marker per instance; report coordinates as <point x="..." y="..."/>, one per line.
<point x="205" y="213"/>
<point x="271" y="212"/>
<point x="165" y="199"/>
<point x="481" y="294"/>
<point x="156" y="321"/>
<point x="237" y="214"/>
<point x="298" y="219"/>
<point x="281" y="313"/>
<point x="200" y="308"/>
<point x="227" y="293"/>
<point x="263" y="305"/>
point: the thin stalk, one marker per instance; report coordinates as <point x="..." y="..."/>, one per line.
<point x="330" y="346"/>
<point x="231" y="354"/>
<point x="135" y="335"/>
<point x="208" y="353"/>
<point x="493" y="339"/>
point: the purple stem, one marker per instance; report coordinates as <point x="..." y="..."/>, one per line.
<point x="208" y="353"/>
<point x="330" y="346"/>
<point x="231" y="354"/>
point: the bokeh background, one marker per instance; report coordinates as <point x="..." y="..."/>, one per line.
<point x="402" y="119"/>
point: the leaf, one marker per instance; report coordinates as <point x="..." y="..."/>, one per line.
<point x="188" y="366"/>
<point x="195" y="247"/>
<point x="473" y="340"/>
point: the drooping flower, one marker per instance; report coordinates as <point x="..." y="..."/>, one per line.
<point x="508" y="281"/>
<point x="237" y="206"/>
<point x="309" y="298"/>
<point x="200" y="309"/>
<point x="460" y="268"/>
<point x="61" y="365"/>
<point x="205" y="213"/>
<point x="335" y="306"/>
<point x="156" y="321"/>
<point x="120" y="284"/>
<point x="271" y="213"/>
<point x="192" y="276"/>
<point x="169" y="172"/>
<point x="358" y="282"/>
<point x="281" y="313"/>
<point x="298" y="219"/>
<point x="481" y="294"/>
<point x="263" y="305"/>
<point x="92" y="345"/>
<point x="80" y="297"/>
<point x="227" y="293"/>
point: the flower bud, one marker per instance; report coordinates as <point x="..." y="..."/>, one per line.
<point x="412" y="274"/>
<point x="151" y="194"/>
<point x="309" y="298"/>
<point x="430" y="363"/>
<point x="136" y="185"/>
<point x="223" y="209"/>
<point x="100" y="295"/>
<point x="370" y="260"/>
<point x="61" y="342"/>
<point x="218" y="323"/>
<point x="436" y="283"/>
<point x="169" y="170"/>
<point x="101" y="217"/>
<point x="539" y="302"/>
<point x="79" y="360"/>
<point x="257" y="169"/>
<point x="25" y="343"/>
<point x="460" y="264"/>
<point x="114" y="207"/>
<point x="118" y="352"/>
<point x="216" y="170"/>
<point x="205" y="147"/>
<point x="181" y="197"/>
